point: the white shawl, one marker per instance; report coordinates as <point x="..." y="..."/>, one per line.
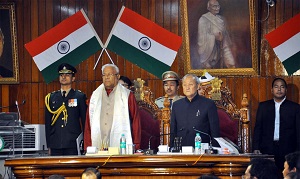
<point x="121" y="121"/>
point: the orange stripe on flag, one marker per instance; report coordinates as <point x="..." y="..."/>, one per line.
<point x="284" y="32"/>
<point x="150" y="29"/>
<point x="55" y="34"/>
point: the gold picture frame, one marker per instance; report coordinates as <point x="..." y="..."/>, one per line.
<point x="9" y="66"/>
<point x="241" y="30"/>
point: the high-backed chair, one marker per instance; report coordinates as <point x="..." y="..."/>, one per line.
<point x="234" y="122"/>
<point x="150" y="115"/>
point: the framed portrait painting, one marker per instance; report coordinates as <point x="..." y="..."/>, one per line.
<point x="9" y="68"/>
<point x="219" y="36"/>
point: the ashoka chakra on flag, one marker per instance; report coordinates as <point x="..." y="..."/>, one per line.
<point x="144" y="43"/>
<point x="63" y="47"/>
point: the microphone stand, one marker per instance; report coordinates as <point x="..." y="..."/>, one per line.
<point x="19" y="115"/>
<point x="210" y="150"/>
<point x="149" y="151"/>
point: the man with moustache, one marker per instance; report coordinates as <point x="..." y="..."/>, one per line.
<point x="171" y="87"/>
<point x="64" y="114"/>
<point x="277" y="127"/>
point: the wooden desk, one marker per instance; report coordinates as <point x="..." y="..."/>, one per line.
<point x="133" y="166"/>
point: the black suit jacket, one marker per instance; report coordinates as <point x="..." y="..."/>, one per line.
<point x="200" y="113"/>
<point x="60" y="135"/>
<point x="289" y="130"/>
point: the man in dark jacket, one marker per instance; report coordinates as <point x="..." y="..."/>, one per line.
<point x="64" y="114"/>
<point x="277" y="127"/>
<point x="193" y="112"/>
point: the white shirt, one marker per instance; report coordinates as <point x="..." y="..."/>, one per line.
<point x="277" y="119"/>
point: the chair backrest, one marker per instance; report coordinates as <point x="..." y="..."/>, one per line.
<point x="228" y="127"/>
<point x="234" y="122"/>
<point x="150" y="115"/>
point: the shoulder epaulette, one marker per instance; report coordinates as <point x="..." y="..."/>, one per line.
<point x="80" y="92"/>
<point x="54" y="92"/>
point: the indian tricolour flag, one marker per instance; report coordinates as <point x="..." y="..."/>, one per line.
<point x="71" y="41"/>
<point x="285" y="41"/>
<point x="143" y="42"/>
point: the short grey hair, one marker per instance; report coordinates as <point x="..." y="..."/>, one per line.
<point x="110" y="65"/>
<point x="195" y="78"/>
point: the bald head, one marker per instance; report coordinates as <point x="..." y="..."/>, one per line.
<point x="213" y="6"/>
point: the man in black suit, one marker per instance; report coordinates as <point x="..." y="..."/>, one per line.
<point x="277" y="127"/>
<point x="64" y="114"/>
<point x="193" y="112"/>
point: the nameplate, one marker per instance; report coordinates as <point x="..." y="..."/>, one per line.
<point x="91" y="150"/>
<point x="187" y="149"/>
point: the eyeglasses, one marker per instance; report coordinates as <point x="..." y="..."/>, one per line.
<point x="215" y="6"/>
<point x="108" y="75"/>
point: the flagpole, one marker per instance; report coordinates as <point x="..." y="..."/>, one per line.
<point x="98" y="58"/>
<point x="109" y="56"/>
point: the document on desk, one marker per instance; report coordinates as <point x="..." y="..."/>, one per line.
<point x="226" y="144"/>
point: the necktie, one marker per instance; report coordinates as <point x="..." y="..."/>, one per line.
<point x="64" y="94"/>
<point x="171" y="102"/>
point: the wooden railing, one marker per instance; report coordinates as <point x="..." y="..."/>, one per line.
<point x="133" y="166"/>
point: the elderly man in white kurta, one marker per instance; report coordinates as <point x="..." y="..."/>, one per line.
<point x="213" y="40"/>
<point x="112" y="111"/>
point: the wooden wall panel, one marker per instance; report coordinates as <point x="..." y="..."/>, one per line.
<point x="34" y="17"/>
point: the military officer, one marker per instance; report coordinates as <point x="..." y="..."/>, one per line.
<point x="64" y="114"/>
<point x="171" y="87"/>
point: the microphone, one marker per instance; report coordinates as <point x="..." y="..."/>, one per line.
<point x="150" y="151"/>
<point x="210" y="150"/>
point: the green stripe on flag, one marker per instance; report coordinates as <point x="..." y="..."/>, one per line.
<point x="74" y="58"/>
<point x="137" y="56"/>
<point x="292" y="64"/>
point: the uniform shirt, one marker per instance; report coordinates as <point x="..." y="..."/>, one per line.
<point x="63" y="134"/>
<point x="160" y="101"/>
